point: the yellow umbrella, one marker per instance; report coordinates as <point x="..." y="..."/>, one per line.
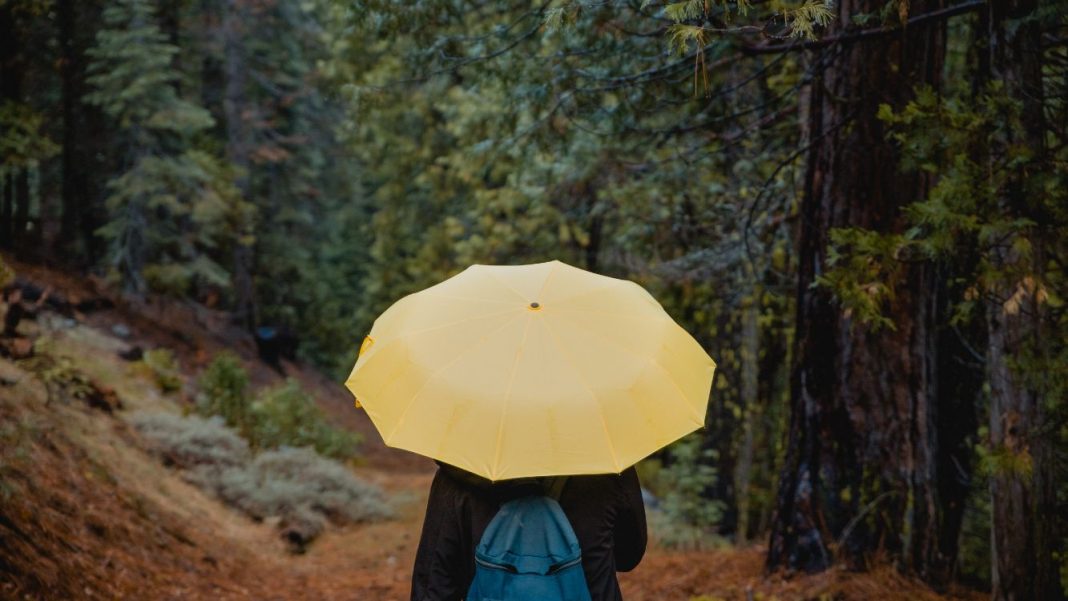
<point x="531" y="370"/>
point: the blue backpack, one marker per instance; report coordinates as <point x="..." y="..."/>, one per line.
<point x="529" y="552"/>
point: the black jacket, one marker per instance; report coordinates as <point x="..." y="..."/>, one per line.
<point x="606" y="513"/>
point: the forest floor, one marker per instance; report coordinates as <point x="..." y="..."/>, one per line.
<point x="86" y="512"/>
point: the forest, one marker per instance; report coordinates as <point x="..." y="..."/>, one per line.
<point x="859" y="208"/>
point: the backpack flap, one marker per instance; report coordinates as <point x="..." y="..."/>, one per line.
<point x="529" y="536"/>
<point x="529" y="553"/>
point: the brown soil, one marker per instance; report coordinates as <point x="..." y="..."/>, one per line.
<point x="86" y="513"/>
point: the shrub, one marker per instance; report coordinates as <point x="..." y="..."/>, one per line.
<point x="298" y="487"/>
<point x="191" y="442"/>
<point x="285" y="415"/>
<point x="287" y="481"/>
<point x="686" y="517"/>
<point x="164" y="368"/>
<point x="224" y="391"/>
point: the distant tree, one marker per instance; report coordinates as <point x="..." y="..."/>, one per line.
<point x="25" y="142"/>
<point x="170" y="205"/>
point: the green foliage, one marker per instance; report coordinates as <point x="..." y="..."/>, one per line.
<point x="1001" y="460"/>
<point x="167" y="206"/>
<point x="224" y="392"/>
<point x="23" y="143"/>
<point x="864" y="271"/>
<point x="686" y="517"/>
<point x="689" y="475"/>
<point x="803" y="21"/>
<point x="281" y="416"/>
<point x="287" y="416"/>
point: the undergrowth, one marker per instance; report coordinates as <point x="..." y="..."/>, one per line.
<point x="683" y="517"/>
<point x="283" y="415"/>
<point x="300" y="489"/>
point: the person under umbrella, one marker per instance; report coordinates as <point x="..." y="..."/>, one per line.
<point x="536" y="388"/>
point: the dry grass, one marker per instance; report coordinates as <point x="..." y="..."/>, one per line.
<point x="738" y="574"/>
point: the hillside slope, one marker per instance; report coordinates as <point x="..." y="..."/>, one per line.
<point x="86" y="512"/>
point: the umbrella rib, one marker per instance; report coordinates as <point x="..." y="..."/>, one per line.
<point x="545" y="282"/>
<point x="440" y="326"/>
<point x="600" y="408"/>
<point x="470" y="298"/>
<point x="652" y="360"/>
<point x="571" y="297"/>
<point x="508" y="286"/>
<point x="508" y="397"/>
<point x="460" y="355"/>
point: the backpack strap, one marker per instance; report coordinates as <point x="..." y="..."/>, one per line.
<point x="556" y="487"/>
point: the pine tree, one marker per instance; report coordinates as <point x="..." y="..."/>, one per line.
<point x="170" y="207"/>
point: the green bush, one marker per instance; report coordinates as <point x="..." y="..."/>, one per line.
<point x="224" y="391"/>
<point x="283" y="415"/>
<point x="286" y="415"/>
<point x="686" y="518"/>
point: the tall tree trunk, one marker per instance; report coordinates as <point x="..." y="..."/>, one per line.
<point x="1021" y="485"/>
<point x="861" y="467"/>
<point x="83" y="167"/>
<point x="750" y="367"/>
<point x="238" y="147"/>
<point x="70" y="99"/>
<point x="12" y="71"/>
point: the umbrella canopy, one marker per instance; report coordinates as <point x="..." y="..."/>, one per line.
<point x="531" y="370"/>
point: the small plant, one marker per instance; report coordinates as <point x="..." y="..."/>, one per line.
<point x="224" y="391"/>
<point x="163" y="366"/>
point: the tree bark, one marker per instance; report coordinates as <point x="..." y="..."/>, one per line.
<point x="750" y="366"/>
<point x="12" y="71"/>
<point x="70" y="95"/>
<point x="84" y="132"/>
<point x="860" y="471"/>
<point x="1021" y="488"/>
